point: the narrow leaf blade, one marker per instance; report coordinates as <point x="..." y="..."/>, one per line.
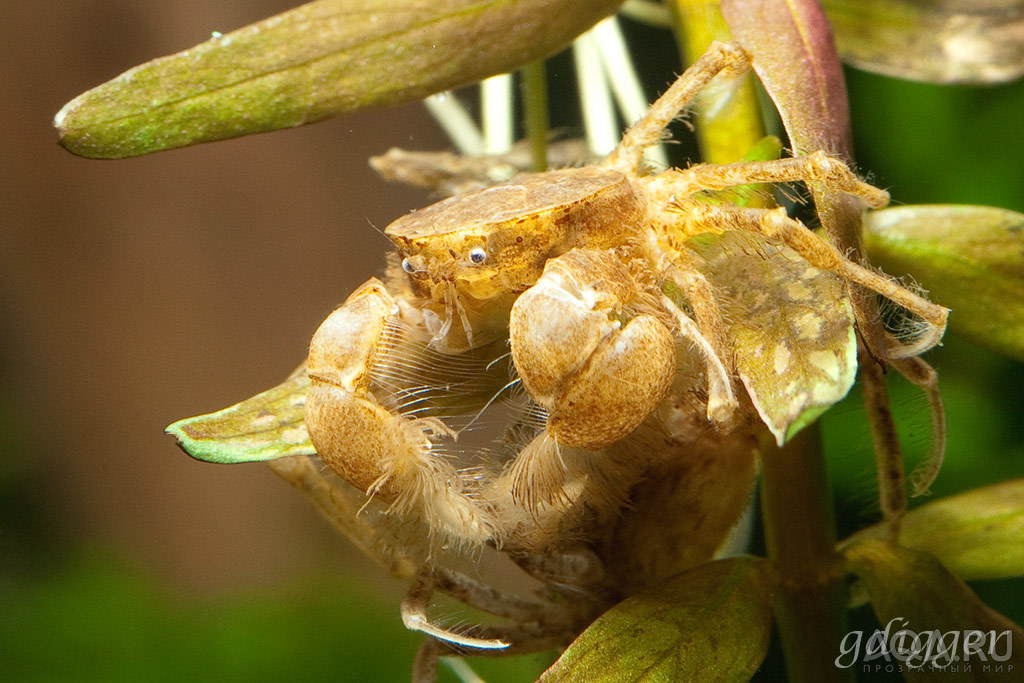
<point x="711" y="623"/>
<point x="267" y="426"/>
<point x="318" y="60"/>
<point x="912" y="591"/>
<point x="976" y="535"/>
<point x="968" y="257"/>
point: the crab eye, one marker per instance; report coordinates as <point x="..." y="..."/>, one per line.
<point x="477" y="255"/>
<point x="407" y="266"/>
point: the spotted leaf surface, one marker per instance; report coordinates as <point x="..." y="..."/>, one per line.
<point x="939" y="41"/>
<point x="791" y="327"/>
<point x="267" y="426"/>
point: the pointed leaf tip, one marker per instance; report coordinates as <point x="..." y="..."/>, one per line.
<point x="267" y="426"/>
<point x="318" y="60"/>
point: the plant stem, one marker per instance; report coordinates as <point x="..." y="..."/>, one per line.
<point x="725" y="133"/>
<point x="800" y="535"/>
<point x="535" y="103"/>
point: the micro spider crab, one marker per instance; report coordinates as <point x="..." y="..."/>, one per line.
<point x="585" y="314"/>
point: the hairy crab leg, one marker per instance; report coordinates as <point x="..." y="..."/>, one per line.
<point x="729" y="59"/>
<point x="818" y="169"/>
<point x="414" y="616"/>
<point x="923" y="375"/>
<point x="340" y="504"/>
<point x="679" y="219"/>
<point x="722" y="402"/>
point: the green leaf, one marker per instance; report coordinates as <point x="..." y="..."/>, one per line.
<point x="971" y="259"/>
<point x="912" y="592"/>
<point x="791" y="328"/>
<point x="318" y="60"/>
<point x="711" y="623"/>
<point x="976" y="535"/>
<point x="267" y="426"/>
<point x="939" y="41"/>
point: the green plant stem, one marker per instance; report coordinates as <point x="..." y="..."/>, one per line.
<point x="728" y="134"/>
<point x="800" y="535"/>
<point x="535" y="103"/>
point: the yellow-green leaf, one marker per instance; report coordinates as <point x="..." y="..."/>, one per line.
<point x="914" y="595"/>
<point x="791" y="328"/>
<point x="970" y="258"/>
<point x="976" y="535"/>
<point x="318" y="60"/>
<point x="711" y="623"/>
<point x="939" y="41"/>
<point x="267" y="426"/>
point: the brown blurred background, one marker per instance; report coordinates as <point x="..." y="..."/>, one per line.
<point x="139" y="291"/>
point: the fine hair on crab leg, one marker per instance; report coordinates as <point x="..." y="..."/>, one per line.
<point x="684" y="219"/>
<point x="524" y="640"/>
<point x="818" y="169"/>
<point x="729" y="59"/>
<point x="923" y="375"/>
<point x="493" y="600"/>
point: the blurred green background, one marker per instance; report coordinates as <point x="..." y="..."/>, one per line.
<point x="136" y="292"/>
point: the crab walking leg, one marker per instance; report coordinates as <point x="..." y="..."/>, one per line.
<point x="379" y="451"/>
<point x="818" y="169"/>
<point x="722" y="403"/>
<point x="708" y="334"/>
<point x="923" y="375"/>
<point x="414" y="616"/>
<point x="729" y="59"/>
<point x="676" y="219"/>
<point x="340" y="504"/>
<point x="522" y="640"/>
<point x="892" y="481"/>
<point x="494" y="601"/>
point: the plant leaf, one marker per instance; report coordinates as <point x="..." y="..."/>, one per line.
<point x="938" y="41"/>
<point x="971" y="258"/>
<point x="267" y="426"/>
<point x="913" y="591"/>
<point x="795" y="58"/>
<point x="791" y="328"/>
<point x="976" y="535"/>
<point x="318" y="60"/>
<point x="711" y="623"/>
